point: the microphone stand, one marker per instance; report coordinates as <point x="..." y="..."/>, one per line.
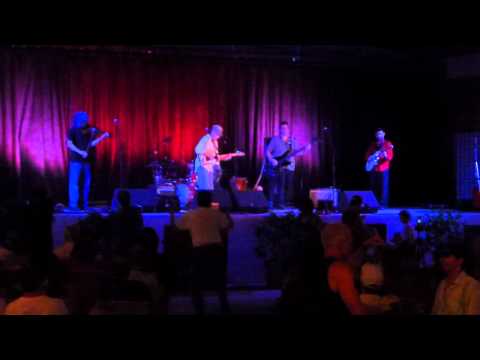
<point x="334" y="170"/>
<point x="120" y="156"/>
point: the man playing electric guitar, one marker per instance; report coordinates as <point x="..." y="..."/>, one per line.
<point x="281" y="166"/>
<point x="81" y="141"/>
<point x="378" y="157"/>
<point x="207" y="161"/>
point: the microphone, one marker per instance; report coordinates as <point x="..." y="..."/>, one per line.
<point x="325" y="128"/>
<point x="116" y="121"/>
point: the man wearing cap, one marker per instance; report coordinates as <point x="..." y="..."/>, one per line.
<point x="379" y="177"/>
<point x="458" y="293"/>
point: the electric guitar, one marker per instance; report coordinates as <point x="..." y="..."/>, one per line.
<point x="375" y="158"/>
<point x="215" y="162"/>
<point x="286" y="158"/>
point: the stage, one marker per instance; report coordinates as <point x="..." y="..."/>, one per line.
<point x="245" y="269"/>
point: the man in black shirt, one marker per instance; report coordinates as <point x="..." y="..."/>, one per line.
<point x="81" y="141"/>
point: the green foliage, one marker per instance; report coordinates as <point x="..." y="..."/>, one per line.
<point x="434" y="231"/>
<point x="438" y="228"/>
<point x="282" y="239"/>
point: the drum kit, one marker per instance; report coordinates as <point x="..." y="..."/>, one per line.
<point x="172" y="179"/>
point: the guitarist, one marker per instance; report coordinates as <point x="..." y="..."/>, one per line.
<point x="379" y="177"/>
<point x="207" y="161"/>
<point x="280" y="179"/>
<point x="81" y="141"/>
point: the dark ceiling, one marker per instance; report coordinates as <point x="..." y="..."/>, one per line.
<point x="339" y="56"/>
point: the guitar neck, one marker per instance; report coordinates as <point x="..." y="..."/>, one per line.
<point x="225" y="156"/>
<point x="298" y="151"/>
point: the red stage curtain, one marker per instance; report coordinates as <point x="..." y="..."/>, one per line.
<point x="153" y="97"/>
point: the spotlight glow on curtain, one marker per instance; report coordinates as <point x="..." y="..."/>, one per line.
<point x="153" y="98"/>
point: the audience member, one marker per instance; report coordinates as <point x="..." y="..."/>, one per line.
<point x="356" y="203"/>
<point x="372" y="279"/>
<point x="85" y="276"/>
<point x="145" y="265"/>
<point x="72" y="235"/>
<point x="125" y="225"/>
<point x="35" y="299"/>
<point x="458" y="293"/>
<point x="340" y="294"/>
<point x="362" y="237"/>
<point x="209" y="250"/>
<point x="407" y="236"/>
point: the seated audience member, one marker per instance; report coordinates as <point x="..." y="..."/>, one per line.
<point x="84" y="275"/>
<point x="356" y="203"/>
<point x="458" y="293"/>
<point x="373" y="292"/>
<point x="35" y="300"/>
<point x="407" y="235"/>
<point x="206" y="226"/>
<point x="93" y="221"/>
<point x="145" y="265"/>
<point x="362" y="236"/>
<point x="339" y="293"/>
<point x="125" y="225"/>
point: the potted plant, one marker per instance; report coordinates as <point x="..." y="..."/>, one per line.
<point x="280" y="240"/>
<point x="434" y="231"/>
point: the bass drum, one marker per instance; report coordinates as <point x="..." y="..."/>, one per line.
<point x="185" y="193"/>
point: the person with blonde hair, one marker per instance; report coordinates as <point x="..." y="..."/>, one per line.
<point x="340" y="293"/>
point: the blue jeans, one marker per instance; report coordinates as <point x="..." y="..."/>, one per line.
<point x="379" y="183"/>
<point x="280" y="187"/>
<point x="76" y="169"/>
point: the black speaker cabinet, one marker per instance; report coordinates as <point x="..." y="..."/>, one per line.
<point x="147" y="199"/>
<point x="369" y="200"/>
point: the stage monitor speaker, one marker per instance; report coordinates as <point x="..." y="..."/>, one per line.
<point x="249" y="200"/>
<point x="223" y="197"/>
<point x="147" y="199"/>
<point x="369" y="200"/>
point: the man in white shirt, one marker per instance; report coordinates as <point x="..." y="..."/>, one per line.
<point x="207" y="161"/>
<point x="208" y="228"/>
<point x="459" y="293"/>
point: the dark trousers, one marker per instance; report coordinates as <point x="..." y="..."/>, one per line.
<point x="209" y="272"/>
<point x="280" y="187"/>
<point x="379" y="182"/>
<point x="75" y="170"/>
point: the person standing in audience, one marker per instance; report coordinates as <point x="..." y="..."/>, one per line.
<point x="125" y="225"/>
<point x="458" y="293"/>
<point x="207" y="227"/>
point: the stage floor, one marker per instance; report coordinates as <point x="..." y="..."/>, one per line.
<point x="245" y="269"/>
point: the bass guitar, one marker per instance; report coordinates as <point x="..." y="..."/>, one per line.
<point x="286" y="158"/>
